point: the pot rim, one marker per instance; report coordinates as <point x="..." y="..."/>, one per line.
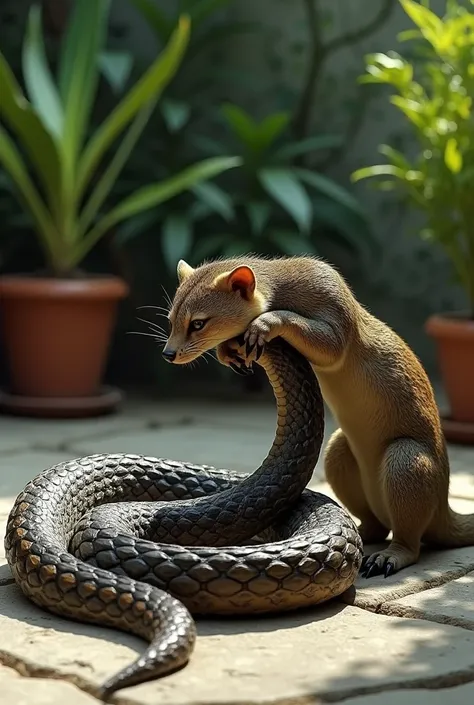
<point x="453" y="324"/>
<point x="93" y="287"/>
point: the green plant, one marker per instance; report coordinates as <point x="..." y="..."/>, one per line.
<point x="171" y="141"/>
<point x="434" y="92"/>
<point x="277" y="204"/>
<point x="65" y="196"/>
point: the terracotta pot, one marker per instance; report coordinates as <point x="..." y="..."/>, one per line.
<point x="56" y="333"/>
<point x="454" y="336"/>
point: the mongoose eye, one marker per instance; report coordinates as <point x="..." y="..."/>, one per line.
<point x="197" y="324"/>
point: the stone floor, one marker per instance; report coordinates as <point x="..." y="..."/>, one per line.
<point x="405" y="639"/>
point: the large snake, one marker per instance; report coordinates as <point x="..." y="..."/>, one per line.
<point x="86" y="539"/>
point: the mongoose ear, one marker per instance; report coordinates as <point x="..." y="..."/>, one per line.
<point x="241" y="279"/>
<point x="184" y="270"/>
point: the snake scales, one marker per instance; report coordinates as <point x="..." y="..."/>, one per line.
<point x="86" y="539"/>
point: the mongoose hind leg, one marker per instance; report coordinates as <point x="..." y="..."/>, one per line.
<point x="342" y="473"/>
<point x="410" y="490"/>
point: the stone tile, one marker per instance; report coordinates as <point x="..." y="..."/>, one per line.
<point x="18" y="469"/>
<point x="341" y="650"/>
<point x="19" y="433"/>
<point x="459" y="695"/>
<point x="240" y="449"/>
<point x="17" y="690"/>
<point x="452" y="603"/>
<point x="242" y="415"/>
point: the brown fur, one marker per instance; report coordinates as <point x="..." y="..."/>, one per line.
<point x="387" y="463"/>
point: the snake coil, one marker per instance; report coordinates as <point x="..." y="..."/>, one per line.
<point x="141" y="544"/>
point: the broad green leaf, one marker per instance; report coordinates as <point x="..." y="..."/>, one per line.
<point x="157" y="20"/>
<point x="74" y="42"/>
<point x="152" y="195"/>
<point x="38" y="79"/>
<point x="30" y="131"/>
<point x="117" y="163"/>
<point x="330" y="189"/>
<point x="116" y="66"/>
<point x="259" y="214"/>
<point x="291" y="243"/>
<point x="175" y="113"/>
<point x="306" y="146"/>
<point x="149" y="87"/>
<point x="283" y="185"/>
<point x="241" y="124"/>
<point x="176" y="239"/>
<point x="11" y="160"/>
<point x="271" y="128"/>
<point x="79" y="72"/>
<point x="216" y="198"/>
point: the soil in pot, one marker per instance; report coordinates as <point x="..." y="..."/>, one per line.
<point x="454" y="336"/>
<point x="57" y="332"/>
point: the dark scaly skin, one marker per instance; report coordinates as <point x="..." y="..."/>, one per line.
<point x="87" y="540"/>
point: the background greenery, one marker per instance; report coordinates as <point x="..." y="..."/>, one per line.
<point x="277" y="83"/>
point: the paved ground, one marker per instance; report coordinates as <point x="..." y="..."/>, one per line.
<point x="406" y="639"/>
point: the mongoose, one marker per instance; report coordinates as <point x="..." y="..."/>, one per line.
<point x="387" y="462"/>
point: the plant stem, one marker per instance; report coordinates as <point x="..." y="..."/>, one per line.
<point x="301" y="118"/>
<point x="356" y="36"/>
<point x="320" y="52"/>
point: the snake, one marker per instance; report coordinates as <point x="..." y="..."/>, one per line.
<point x="146" y="545"/>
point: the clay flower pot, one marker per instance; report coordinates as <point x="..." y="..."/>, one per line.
<point x="56" y="334"/>
<point x="454" y="336"/>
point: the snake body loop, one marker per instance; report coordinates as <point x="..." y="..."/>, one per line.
<point x="87" y="539"/>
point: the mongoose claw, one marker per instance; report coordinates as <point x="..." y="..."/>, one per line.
<point x="259" y="351"/>
<point x="370" y="567"/>
<point x="249" y="347"/>
<point x="371" y="570"/>
<point x="254" y="346"/>
<point x="239" y="367"/>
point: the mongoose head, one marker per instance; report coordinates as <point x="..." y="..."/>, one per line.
<point x="213" y="303"/>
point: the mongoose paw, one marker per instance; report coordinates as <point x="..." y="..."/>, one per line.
<point x="228" y="354"/>
<point x="396" y="556"/>
<point x="261" y="331"/>
<point x="377" y="565"/>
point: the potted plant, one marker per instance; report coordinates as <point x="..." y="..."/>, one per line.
<point x="434" y="93"/>
<point x="57" y="324"/>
